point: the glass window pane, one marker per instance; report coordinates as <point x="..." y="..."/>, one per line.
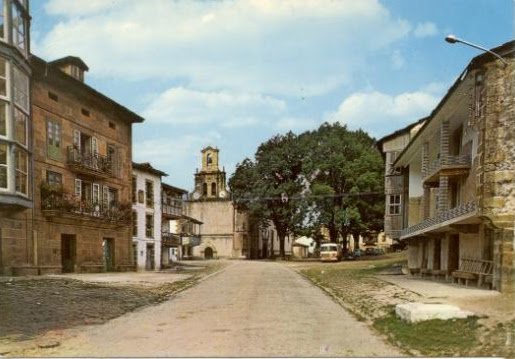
<point x="3" y="118"/>
<point x="2" y="21"/>
<point x="3" y="154"/>
<point x="21" y="89"/>
<point x="20" y="127"/>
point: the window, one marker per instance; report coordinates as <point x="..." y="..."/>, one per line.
<point x="53" y="96"/>
<point x="2" y="20"/>
<point x="149" y="189"/>
<point x="53" y="139"/>
<point x="3" y="76"/>
<point x="204" y="189"/>
<point x="149" y="226"/>
<point x="21" y="89"/>
<point x="3" y="166"/>
<point x="96" y="194"/>
<point x="54" y="178"/>
<point x="213" y="189"/>
<point x="3" y="118"/>
<point x="134" y="223"/>
<point x="134" y="184"/>
<point x="85" y="112"/>
<point x="112" y="125"/>
<point x="21" y="171"/>
<point x="18" y="28"/>
<point x="394" y="204"/>
<point x="20" y="127"/>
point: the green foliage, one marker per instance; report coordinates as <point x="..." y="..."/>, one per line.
<point x="432" y="337"/>
<point x="330" y="177"/>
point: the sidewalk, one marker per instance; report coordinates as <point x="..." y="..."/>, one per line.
<point x="483" y="302"/>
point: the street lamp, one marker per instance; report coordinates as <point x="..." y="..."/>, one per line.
<point x="451" y="39"/>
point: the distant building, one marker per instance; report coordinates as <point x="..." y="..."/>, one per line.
<point x="225" y="229"/>
<point x="458" y="176"/>
<point x="146" y="216"/>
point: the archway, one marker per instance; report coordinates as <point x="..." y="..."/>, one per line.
<point x="208" y="253"/>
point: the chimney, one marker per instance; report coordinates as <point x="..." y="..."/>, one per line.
<point x="71" y="65"/>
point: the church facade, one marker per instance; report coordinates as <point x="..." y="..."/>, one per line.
<point x="225" y="230"/>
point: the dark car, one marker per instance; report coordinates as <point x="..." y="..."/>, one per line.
<point x="370" y="251"/>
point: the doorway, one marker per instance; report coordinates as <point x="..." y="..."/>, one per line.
<point x="108" y="246"/>
<point x="437" y="253"/>
<point x="149" y="264"/>
<point x="68" y="252"/>
<point x="208" y="253"/>
<point x="454" y="253"/>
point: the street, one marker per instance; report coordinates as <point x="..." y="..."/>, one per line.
<point x="248" y="309"/>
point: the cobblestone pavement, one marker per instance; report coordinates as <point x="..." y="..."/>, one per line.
<point x="31" y="307"/>
<point x="249" y="309"/>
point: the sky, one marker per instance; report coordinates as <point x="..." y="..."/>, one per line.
<point x="232" y="74"/>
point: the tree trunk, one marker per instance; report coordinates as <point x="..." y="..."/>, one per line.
<point x="345" y="242"/>
<point x="281" y="247"/>
<point x="333" y="233"/>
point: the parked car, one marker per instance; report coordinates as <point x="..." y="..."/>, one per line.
<point x="330" y="252"/>
<point x="357" y="253"/>
<point x="370" y="251"/>
<point x="378" y="251"/>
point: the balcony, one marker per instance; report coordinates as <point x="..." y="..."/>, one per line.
<point x="464" y="213"/>
<point x="447" y="166"/>
<point x="172" y="211"/>
<point x="191" y="241"/>
<point x="66" y="206"/>
<point x="170" y="239"/>
<point x="91" y="164"/>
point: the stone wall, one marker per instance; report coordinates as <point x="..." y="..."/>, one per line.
<point x="16" y="245"/>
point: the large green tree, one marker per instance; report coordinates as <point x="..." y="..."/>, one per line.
<point x="270" y="186"/>
<point x="346" y="180"/>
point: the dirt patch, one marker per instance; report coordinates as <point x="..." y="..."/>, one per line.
<point x="31" y="307"/>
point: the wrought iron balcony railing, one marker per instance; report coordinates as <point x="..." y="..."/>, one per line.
<point x="90" y="162"/>
<point x="447" y="162"/>
<point x="461" y="210"/>
<point x="171" y="239"/>
<point x="56" y="203"/>
<point x="174" y="210"/>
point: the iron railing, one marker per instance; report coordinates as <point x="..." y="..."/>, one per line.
<point x="461" y="210"/>
<point x="172" y="210"/>
<point x="69" y="204"/>
<point x="90" y="161"/>
<point x="191" y="241"/>
<point x="446" y="162"/>
<point x="172" y="239"/>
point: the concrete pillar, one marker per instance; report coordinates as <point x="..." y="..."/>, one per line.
<point x="444" y="142"/>
<point x="443" y="194"/>
<point x="425" y="158"/>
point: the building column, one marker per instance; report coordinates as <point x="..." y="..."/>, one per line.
<point x="425" y="158"/>
<point x="443" y="194"/>
<point x="444" y="142"/>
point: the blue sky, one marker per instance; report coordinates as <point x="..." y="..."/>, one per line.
<point x="232" y="74"/>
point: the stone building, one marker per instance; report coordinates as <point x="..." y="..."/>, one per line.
<point x="146" y="216"/>
<point x="225" y="229"/>
<point x="16" y="166"/>
<point x="459" y="179"/>
<point x="82" y="172"/>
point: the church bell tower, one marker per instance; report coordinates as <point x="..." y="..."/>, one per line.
<point x="210" y="182"/>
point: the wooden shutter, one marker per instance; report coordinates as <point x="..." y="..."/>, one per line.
<point x="76" y="139"/>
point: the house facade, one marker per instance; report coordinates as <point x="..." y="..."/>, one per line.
<point x="147" y="212"/>
<point x="16" y="162"/>
<point x="82" y="172"/>
<point x="458" y="176"/>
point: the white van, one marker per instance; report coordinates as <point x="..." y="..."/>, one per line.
<point x="330" y="252"/>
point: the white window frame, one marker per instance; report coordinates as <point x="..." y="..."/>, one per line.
<point x="78" y="188"/>
<point x="7" y="79"/>
<point x="392" y="205"/>
<point x="16" y="170"/>
<point x="6" y="165"/>
<point x="21" y="85"/>
<point x="26" y="118"/>
<point x="7" y="118"/>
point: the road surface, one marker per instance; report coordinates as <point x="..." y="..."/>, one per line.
<point x="249" y="309"/>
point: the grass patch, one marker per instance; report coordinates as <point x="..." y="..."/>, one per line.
<point x="432" y="337"/>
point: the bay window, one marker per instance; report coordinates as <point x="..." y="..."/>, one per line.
<point x="21" y="171"/>
<point x="3" y="166"/>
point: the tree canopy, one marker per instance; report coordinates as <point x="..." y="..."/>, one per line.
<point x="328" y="178"/>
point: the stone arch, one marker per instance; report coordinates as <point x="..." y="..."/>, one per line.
<point x="208" y="253"/>
<point x="213" y="189"/>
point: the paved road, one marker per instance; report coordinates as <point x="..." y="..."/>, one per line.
<point x="249" y="309"/>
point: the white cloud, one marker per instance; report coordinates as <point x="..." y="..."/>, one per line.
<point x="182" y="106"/>
<point x="258" y="46"/>
<point x="379" y="113"/>
<point x="425" y="29"/>
<point x="295" y="124"/>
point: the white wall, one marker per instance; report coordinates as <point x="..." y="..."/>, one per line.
<point x="141" y="210"/>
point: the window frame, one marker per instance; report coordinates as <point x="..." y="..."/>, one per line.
<point x="149" y="225"/>
<point x="395" y="207"/>
<point x="149" y="194"/>
<point x="53" y="174"/>
<point x="6" y="166"/>
<point x="19" y="172"/>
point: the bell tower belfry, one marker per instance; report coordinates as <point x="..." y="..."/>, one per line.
<point x="210" y="182"/>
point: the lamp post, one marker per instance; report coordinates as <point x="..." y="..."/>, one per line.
<point x="451" y="39"/>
